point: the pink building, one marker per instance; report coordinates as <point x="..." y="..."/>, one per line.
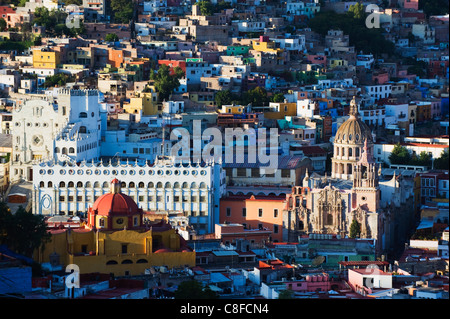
<point x="365" y="281"/>
<point x="411" y="4"/>
<point x="317" y="59"/>
<point x="314" y="283"/>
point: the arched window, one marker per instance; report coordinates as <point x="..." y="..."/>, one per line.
<point x="350" y="151"/>
<point x="50" y="184"/>
<point x="151" y="185"/>
<point x="357" y="151"/>
<point x="62" y="184"/>
<point x="123" y="185"/>
<point x="159" y="185"/>
<point x="88" y="184"/>
<point x="71" y="150"/>
<point x="41" y="184"/>
<point x="111" y="262"/>
<point x="194" y="185"/>
<point x="105" y="185"/>
<point x="176" y="185"/>
<point x="127" y="261"/>
<point x="56" y="149"/>
<point x="79" y="184"/>
<point x="131" y="185"/>
<point x="142" y="261"/>
<point x="185" y="185"/>
<point x="202" y="185"/>
<point x="168" y="185"/>
<point x="70" y="184"/>
<point x="96" y="184"/>
<point x="141" y="185"/>
<point x="83" y="129"/>
<point x="64" y="150"/>
<point x="83" y="115"/>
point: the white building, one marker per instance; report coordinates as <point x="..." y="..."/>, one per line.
<point x="365" y="60"/>
<point x="296" y="43"/>
<point x="378" y="91"/>
<point x="251" y="26"/>
<point x="192" y="189"/>
<point x="307" y="108"/>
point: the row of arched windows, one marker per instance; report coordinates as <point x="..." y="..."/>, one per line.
<point x="127" y="261"/>
<point x="70" y="184"/>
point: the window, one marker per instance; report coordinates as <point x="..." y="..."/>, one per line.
<point x="275" y="229"/>
<point x="124" y="249"/>
<point x="285" y="173"/>
<point x="244" y="212"/>
<point x="260" y="212"/>
<point x="228" y="211"/>
<point x="241" y="172"/>
<point x="275" y="213"/>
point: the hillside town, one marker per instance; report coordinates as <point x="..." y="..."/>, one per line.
<point x="224" y="149"/>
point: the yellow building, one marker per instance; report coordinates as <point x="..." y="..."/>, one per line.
<point x="234" y="109"/>
<point x="266" y="46"/>
<point x="45" y="59"/>
<point x="116" y="241"/>
<point x="145" y="101"/>
<point x="281" y="110"/>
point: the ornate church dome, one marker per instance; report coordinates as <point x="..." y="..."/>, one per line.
<point x="351" y="138"/>
<point x="115" y="203"/>
<point x="354" y="130"/>
<point x="114" y="211"/>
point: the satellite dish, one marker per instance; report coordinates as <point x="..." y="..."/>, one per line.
<point x="318" y="260"/>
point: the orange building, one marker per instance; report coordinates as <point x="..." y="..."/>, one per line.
<point x="115" y="58"/>
<point x="172" y="64"/>
<point x="255" y="212"/>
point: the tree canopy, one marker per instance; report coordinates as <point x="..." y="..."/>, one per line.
<point x="194" y="289"/>
<point x="122" y="10"/>
<point x="442" y="161"/>
<point x="353" y="23"/>
<point x="400" y="155"/>
<point x="165" y="82"/>
<point x="355" y="229"/>
<point x="23" y="232"/>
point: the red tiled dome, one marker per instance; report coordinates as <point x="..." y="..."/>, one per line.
<point x="115" y="204"/>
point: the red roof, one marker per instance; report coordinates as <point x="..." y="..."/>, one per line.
<point x="115" y="204"/>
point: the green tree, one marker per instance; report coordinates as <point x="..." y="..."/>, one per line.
<point x="286" y="294"/>
<point x="165" y="82"/>
<point x="223" y="98"/>
<point x="400" y="155"/>
<point x="111" y="37"/>
<point x="278" y="97"/>
<point x="442" y="162"/>
<point x="356" y="11"/>
<point x="355" y="229"/>
<point x="193" y="289"/>
<point x="59" y="79"/>
<point x="3" y="24"/>
<point x="206" y="7"/>
<point x="257" y="97"/>
<point x="23" y="232"/>
<point x="122" y="10"/>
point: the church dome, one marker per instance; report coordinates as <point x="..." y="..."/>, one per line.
<point x="354" y="130"/>
<point x="115" y="203"/>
